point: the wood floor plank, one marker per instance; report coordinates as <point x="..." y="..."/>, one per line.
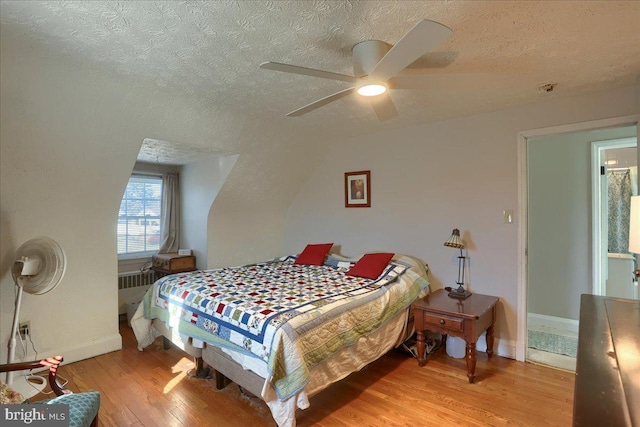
<point x="153" y="388"/>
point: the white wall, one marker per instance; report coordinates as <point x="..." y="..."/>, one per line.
<point x="428" y="179"/>
<point x="560" y="220"/>
<point x="200" y="183"/>
<point x="64" y="165"/>
<point x="246" y="221"/>
<point x="69" y="136"/>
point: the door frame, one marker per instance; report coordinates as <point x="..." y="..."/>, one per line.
<point x="523" y="136"/>
<point x="599" y="224"/>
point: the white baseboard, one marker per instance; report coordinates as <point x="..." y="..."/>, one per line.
<point x="541" y="321"/>
<point x="559" y="361"/>
<point x="83" y="351"/>
<point x="502" y="348"/>
<point x="544" y="323"/>
<point x="507" y="348"/>
<point x="94" y="348"/>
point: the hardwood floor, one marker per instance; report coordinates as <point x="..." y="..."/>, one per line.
<point x="152" y="388"/>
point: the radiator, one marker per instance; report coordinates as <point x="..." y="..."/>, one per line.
<point x="133" y="279"/>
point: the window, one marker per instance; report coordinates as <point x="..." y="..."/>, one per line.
<point x="139" y="216"/>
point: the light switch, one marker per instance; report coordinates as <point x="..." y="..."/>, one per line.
<point x="507" y="216"/>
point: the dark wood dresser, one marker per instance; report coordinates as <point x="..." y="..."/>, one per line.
<point x="607" y="388"/>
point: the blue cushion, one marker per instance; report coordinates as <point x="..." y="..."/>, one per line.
<point x="83" y="407"/>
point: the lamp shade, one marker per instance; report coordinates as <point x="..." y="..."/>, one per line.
<point x="454" y="241"/>
<point x="634" y="225"/>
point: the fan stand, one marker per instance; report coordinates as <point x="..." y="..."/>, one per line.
<point x="26" y="385"/>
<point x="39" y="266"/>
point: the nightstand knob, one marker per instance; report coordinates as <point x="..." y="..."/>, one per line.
<point x="442" y="321"/>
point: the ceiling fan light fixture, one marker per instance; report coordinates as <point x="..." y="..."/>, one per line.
<point x="374" y="64"/>
<point x="372" y="89"/>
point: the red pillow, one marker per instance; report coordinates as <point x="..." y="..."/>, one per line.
<point x="370" y="266"/>
<point x="314" y="254"/>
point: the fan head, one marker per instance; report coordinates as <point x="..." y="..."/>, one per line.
<point x="39" y="265"/>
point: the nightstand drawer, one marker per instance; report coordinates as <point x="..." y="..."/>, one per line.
<point x="440" y="321"/>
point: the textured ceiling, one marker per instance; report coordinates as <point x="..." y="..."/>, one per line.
<point x="172" y="153"/>
<point x="498" y="54"/>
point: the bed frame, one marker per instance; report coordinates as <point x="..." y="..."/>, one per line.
<point x="220" y="365"/>
<point x="223" y="366"/>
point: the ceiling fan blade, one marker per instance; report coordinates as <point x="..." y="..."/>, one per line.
<point x="384" y="107"/>
<point x="319" y="103"/>
<point x="423" y="37"/>
<point x="295" y="69"/>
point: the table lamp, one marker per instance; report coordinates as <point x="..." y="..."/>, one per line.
<point x="455" y="242"/>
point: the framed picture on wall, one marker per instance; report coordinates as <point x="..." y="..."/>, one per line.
<point x="357" y="189"/>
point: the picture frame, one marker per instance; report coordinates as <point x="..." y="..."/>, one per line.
<point x="357" y="189"/>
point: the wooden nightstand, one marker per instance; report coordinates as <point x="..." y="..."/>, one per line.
<point x="467" y="319"/>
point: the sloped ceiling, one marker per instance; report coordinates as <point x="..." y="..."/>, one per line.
<point x="172" y="153"/>
<point x="497" y="56"/>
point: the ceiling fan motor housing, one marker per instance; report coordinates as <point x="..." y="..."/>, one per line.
<point x="366" y="56"/>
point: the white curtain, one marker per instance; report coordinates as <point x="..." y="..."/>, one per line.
<point x="170" y="221"/>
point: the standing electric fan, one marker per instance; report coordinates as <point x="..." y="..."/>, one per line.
<point x="38" y="268"/>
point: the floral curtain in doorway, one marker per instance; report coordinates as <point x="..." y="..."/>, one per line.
<point x="619" y="186"/>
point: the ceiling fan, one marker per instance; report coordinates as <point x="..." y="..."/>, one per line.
<point x="376" y="66"/>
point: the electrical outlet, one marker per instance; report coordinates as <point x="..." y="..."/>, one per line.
<point x="24" y="329"/>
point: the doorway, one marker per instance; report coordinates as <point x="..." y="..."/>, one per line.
<point x="555" y="235"/>
<point x="614" y="181"/>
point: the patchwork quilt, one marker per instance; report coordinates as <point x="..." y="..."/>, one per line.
<point x="290" y="316"/>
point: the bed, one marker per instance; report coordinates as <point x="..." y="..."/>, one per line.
<point x="281" y="329"/>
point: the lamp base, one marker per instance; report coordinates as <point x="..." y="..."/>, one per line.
<point x="460" y="295"/>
